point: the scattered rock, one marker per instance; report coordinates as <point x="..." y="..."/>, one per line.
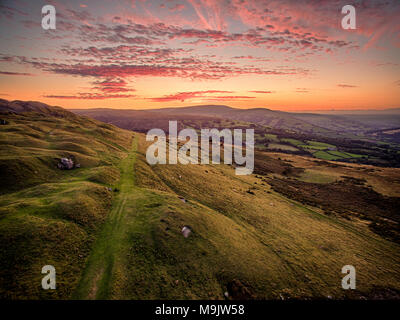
<point x="186" y="231"/>
<point x="65" y="164"/>
<point x="183" y="199"/>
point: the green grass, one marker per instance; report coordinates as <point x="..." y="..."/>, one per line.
<point x="320" y="147"/>
<point x="294" y="142"/>
<point x="260" y="146"/>
<point x="312" y="148"/>
<point x="353" y="155"/>
<point x="96" y="280"/>
<point x="47" y="215"/>
<point x="281" y="147"/>
<point x="293" y="250"/>
<point x="129" y="245"/>
<point x="272" y="137"/>
<point x="344" y="155"/>
<point x="326" y="156"/>
<point x="339" y="154"/>
<point x="313" y="176"/>
<point x="320" y="144"/>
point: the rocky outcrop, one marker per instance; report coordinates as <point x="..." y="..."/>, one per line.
<point x="67" y="164"/>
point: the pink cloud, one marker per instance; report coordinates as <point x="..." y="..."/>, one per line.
<point x="112" y="86"/>
<point x="302" y="90"/>
<point x="187" y="39"/>
<point x="8" y="73"/>
<point x="90" y="96"/>
<point x="260" y="91"/>
<point x="182" y="96"/>
<point x="177" y="7"/>
<point x="347" y="86"/>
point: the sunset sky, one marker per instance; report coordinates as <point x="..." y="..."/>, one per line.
<point x="289" y="55"/>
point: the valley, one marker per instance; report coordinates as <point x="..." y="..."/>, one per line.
<point x="112" y="228"/>
<point x="328" y="137"/>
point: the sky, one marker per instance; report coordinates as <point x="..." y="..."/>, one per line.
<point x="288" y="55"/>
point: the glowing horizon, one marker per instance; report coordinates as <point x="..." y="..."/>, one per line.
<point x="282" y="55"/>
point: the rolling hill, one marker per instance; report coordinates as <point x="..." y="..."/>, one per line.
<point x="333" y="125"/>
<point x="352" y="138"/>
<point x="50" y="216"/>
<point x="113" y="226"/>
<point x="261" y="116"/>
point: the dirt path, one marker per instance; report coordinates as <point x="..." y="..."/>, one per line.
<point x="96" y="280"/>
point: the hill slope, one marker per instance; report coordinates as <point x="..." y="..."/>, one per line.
<point x="261" y="116"/>
<point x="50" y="216"/>
<point x="333" y="125"/>
<point x="249" y="238"/>
<point x="253" y="245"/>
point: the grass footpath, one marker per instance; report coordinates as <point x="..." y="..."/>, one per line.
<point x="97" y="277"/>
<point x="140" y="252"/>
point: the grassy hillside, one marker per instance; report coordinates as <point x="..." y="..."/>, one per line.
<point x="249" y="236"/>
<point x="327" y="137"/>
<point x="140" y="120"/>
<point x="261" y="116"/>
<point x="246" y="239"/>
<point x="48" y="215"/>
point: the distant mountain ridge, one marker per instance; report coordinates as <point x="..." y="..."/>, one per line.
<point x="18" y="106"/>
<point x="319" y="123"/>
<point x="262" y="116"/>
<point x="308" y="123"/>
<point x="270" y="118"/>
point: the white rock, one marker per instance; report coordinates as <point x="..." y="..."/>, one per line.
<point x="186" y="231"/>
